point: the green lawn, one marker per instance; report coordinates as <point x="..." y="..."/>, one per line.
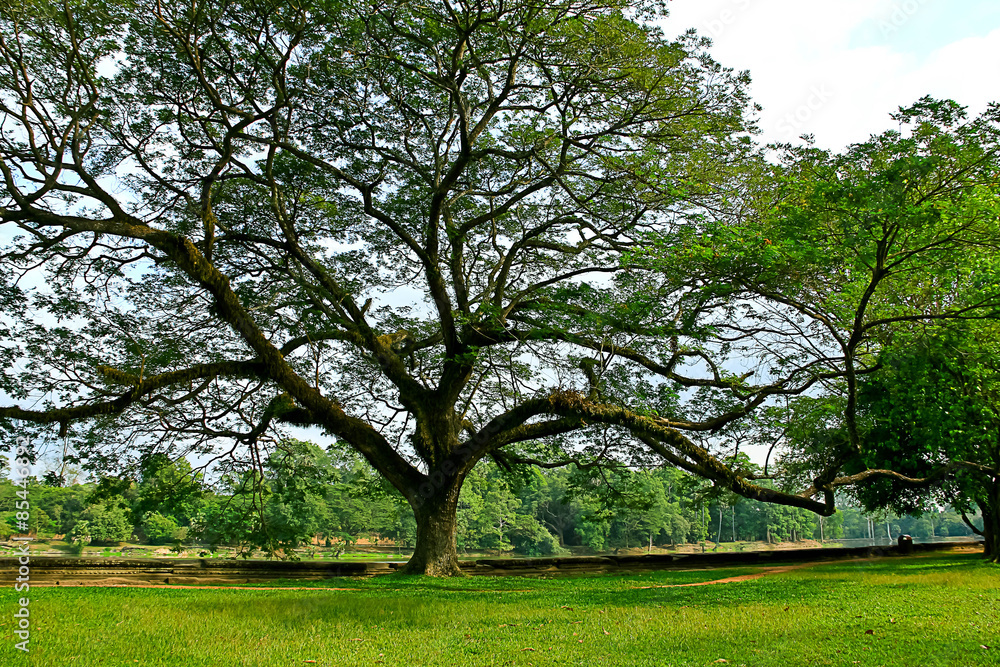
<point x="917" y="612"/>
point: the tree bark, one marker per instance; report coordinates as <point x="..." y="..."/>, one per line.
<point x="718" y="539"/>
<point x="436" y="551"/>
<point x="991" y="535"/>
<point x="991" y="522"/>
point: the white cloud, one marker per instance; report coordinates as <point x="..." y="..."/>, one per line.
<point x="837" y="70"/>
<point x="964" y="70"/>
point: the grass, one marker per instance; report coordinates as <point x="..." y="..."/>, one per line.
<point x="922" y="611"/>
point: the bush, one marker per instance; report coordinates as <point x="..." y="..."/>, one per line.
<point x="530" y="538"/>
<point x="79" y="536"/>
<point x="160" y="529"/>
<point x="108" y="522"/>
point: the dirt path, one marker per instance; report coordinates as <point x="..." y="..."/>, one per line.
<point x="743" y="577"/>
<point x="787" y="568"/>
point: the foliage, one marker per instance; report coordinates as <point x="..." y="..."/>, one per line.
<point x="106" y="522"/>
<point x="937" y="402"/>
<point x="80" y="535"/>
<point x="295" y="508"/>
<point x="228" y="520"/>
<point x="541" y="513"/>
<point x="159" y="529"/>
<point x="488" y="510"/>
<point x="840" y="254"/>
<point x="841" y="263"/>
<point x="167" y="486"/>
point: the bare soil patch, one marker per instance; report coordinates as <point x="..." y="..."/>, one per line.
<point x="742" y="577"/>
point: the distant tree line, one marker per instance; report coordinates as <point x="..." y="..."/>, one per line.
<point x="334" y="499"/>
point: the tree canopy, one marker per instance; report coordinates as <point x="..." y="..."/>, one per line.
<point x="539" y="232"/>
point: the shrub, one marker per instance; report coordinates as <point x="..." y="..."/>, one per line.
<point x="530" y="538"/>
<point x="160" y="529"/>
<point x="108" y="522"/>
<point x="80" y="535"/>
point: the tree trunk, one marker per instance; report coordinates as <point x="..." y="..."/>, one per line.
<point x="436" y="552"/>
<point x="718" y="539"/>
<point x="704" y="528"/>
<point x="991" y="522"/>
<point x="991" y="535"/>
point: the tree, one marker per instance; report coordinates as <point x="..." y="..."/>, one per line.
<point x="63" y="504"/>
<point x="420" y="227"/>
<point x="295" y="483"/>
<point x="275" y="510"/>
<point x="549" y="499"/>
<point x="167" y="487"/>
<point x="231" y="201"/>
<point x="233" y="520"/>
<point x="487" y="510"/>
<point x="159" y="529"/>
<point x="934" y="402"/>
<point x="531" y="538"/>
<point x="852" y="256"/>
<point x="106" y="522"/>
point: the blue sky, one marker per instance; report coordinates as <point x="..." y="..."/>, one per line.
<point x="837" y="69"/>
<point x="929" y="25"/>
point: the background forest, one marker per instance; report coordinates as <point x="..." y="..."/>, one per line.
<point x="334" y="499"/>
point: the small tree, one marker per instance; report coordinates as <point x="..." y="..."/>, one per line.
<point x="937" y="402"/>
<point x="107" y="522"/>
<point x="80" y="535"/>
<point x="159" y="529"/>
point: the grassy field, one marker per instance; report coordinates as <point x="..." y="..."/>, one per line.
<point x="918" y="612"/>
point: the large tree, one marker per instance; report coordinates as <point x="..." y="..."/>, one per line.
<point x="413" y="225"/>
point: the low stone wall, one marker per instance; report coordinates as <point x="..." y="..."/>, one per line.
<point x="61" y="571"/>
<point x="644" y="563"/>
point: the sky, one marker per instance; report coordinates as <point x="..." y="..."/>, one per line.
<point x="836" y="70"/>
